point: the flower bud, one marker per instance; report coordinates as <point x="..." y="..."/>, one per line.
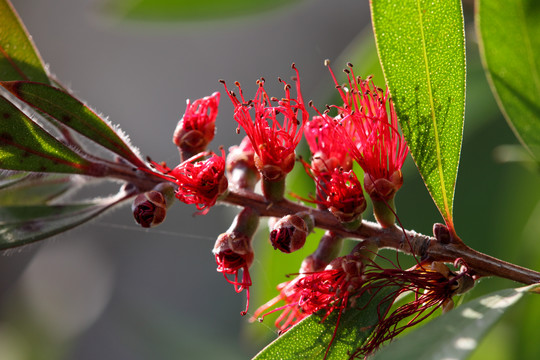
<point x="289" y="234"/>
<point x="240" y="165"/>
<point x="149" y="208"/>
<point x="441" y="233"/>
<point x="197" y="127"/>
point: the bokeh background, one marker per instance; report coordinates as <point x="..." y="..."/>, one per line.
<point x="111" y="290"/>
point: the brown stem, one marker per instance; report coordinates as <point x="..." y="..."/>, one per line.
<point x="408" y="241"/>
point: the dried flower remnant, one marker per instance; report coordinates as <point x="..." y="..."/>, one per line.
<point x="432" y="286"/>
<point x="274" y="142"/>
<point x="196" y="129"/>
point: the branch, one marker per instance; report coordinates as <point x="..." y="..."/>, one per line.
<point x="408" y="241"/>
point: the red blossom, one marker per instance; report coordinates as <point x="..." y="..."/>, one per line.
<point x="196" y="129"/>
<point x="340" y="192"/>
<point x="233" y="254"/>
<point x="274" y="142"/>
<point x="199" y="182"/>
<point x="328" y="150"/>
<point x="348" y="278"/>
<point x="308" y="293"/>
<point x="372" y="129"/>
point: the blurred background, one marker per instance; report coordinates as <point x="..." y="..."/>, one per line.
<point x="110" y="289"/>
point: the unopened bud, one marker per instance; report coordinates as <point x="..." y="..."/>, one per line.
<point x="441" y="233"/>
<point x="149" y="208"/>
<point x="241" y="165"/>
<point x="289" y="234"/>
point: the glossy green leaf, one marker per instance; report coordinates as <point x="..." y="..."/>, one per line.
<point x="19" y="59"/>
<point x="309" y="339"/>
<point x="72" y="113"/>
<point x="422" y="51"/>
<point x="456" y="334"/>
<point x="20" y="225"/>
<point x="26" y="146"/>
<point x="188" y="10"/>
<point x="510" y="45"/>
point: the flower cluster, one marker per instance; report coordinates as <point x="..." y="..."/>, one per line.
<point x="364" y="129"/>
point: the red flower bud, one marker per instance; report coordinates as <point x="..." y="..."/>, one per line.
<point x="233" y="253"/>
<point x="149" y="209"/>
<point x="289" y="233"/>
<point x="196" y="129"/>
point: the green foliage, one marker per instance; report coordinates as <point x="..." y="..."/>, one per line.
<point x="456" y="334"/>
<point x="186" y="10"/>
<point x="422" y="51"/>
<point x="27" y="146"/>
<point x="19" y="59"/>
<point x="23" y="224"/>
<point x="310" y="338"/>
<point x="72" y="113"/>
<point x="511" y="61"/>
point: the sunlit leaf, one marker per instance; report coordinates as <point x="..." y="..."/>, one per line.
<point x="422" y="51"/>
<point x="310" y="338"/>
<point x="456" y="334"/>
<point x="186" y="10"/>
<point x="510" y="45"/>
<point x="19" y="59"/>
<point x="20" y="225"/>
<point x="72" y="113"/>
<point x="26" y="146"/>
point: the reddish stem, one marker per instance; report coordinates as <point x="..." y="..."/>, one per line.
<point x="408" y="241"/>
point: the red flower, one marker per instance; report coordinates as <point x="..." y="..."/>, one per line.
<point x="200" y="182"/>
<point x="197" y="127"/>
<point x="371" y="131"/>
<point x="233" y="253"/>
<point x="340" y="192"/>
<point x="308" y="293"/>
<point x="328" y="149"/>
<point x="274" y="142"/>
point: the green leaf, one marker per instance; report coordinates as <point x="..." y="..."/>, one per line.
<point x="72" y="113"/>
<point x="34" y="188"/>
<point x="26" y="146"/>
<point x="309" y="339"/>
<point x="456" y="334"/>
<point x="188" y="10"/>
<point x="20" y="225"/>
<point x="19" y="59"/>
<point x="510" y="46"/>
<point x="422" y="51"/>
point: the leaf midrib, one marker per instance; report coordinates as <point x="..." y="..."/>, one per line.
<point x="448" y="217"/>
